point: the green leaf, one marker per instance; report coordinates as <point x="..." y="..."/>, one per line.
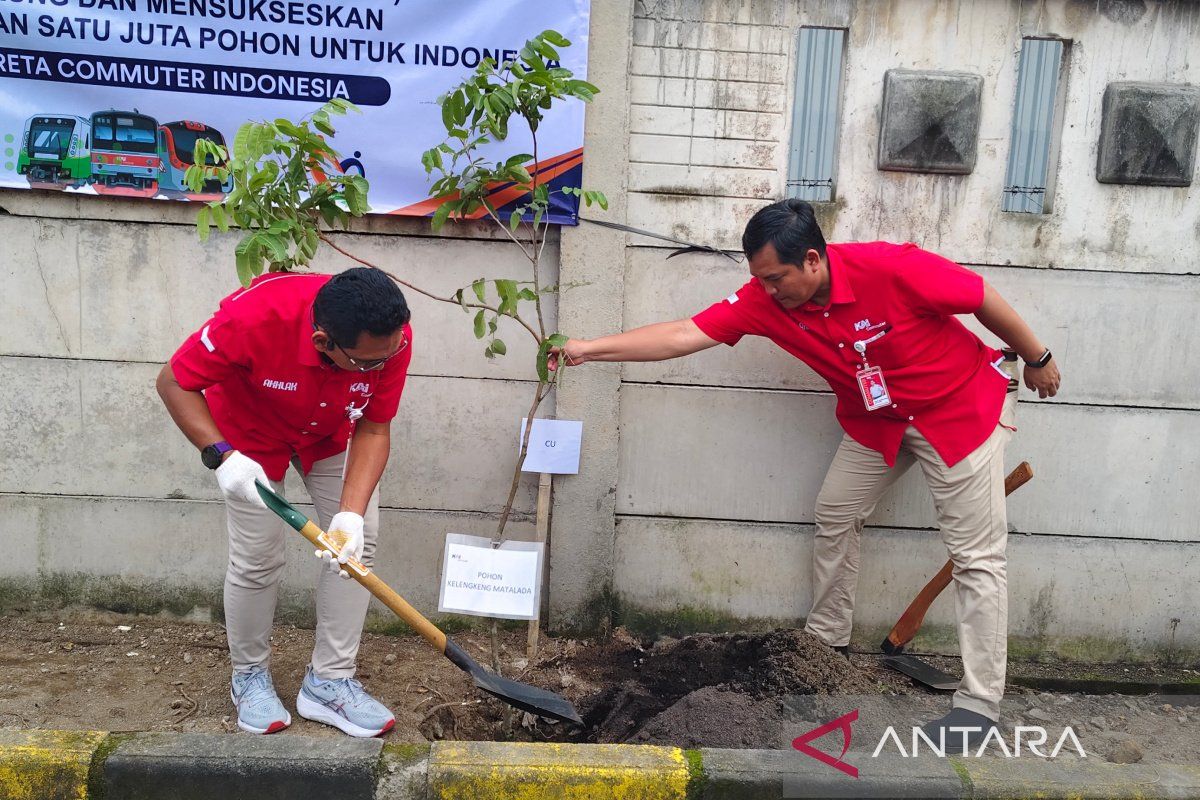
<point x="276" y="246"/>
<point x="555" y="38"/>
<point x="498" y="347"/>
<point x="480" y="289"/>
<point x="220" y="217"/>
<point x="480" y="331"/>
<point x="202" y="219"/>
<point x="527" y="294"/>
<point x="246" y="256"/>
<point x="442" y="213"/>
<point x="320" y="121"/>
<point x="507" y="289"/>
<point x="537" y="216"/>
<point x="458" y="297"/>
<point x="543" y="356"/>
<point x="241" y="140"/>
<point x="288" y="129"/>
<point x="514" y="219"/>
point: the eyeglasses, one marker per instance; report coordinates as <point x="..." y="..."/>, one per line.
<point x="374" y="363"/>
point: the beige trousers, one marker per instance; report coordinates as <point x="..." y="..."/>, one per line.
<point x="970" y="505"/>
<point x="256" y="556"/>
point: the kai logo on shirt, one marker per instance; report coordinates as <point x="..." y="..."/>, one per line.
<point x="361" y="388"/>
<point x="283" y="386"/>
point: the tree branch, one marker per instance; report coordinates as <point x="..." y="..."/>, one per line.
<point x="537" y="251"/>
<point x="431" y="295"/>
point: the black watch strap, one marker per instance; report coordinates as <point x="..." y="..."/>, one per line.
<point x="214" y="454"/>
<point x="1041" y="362"/>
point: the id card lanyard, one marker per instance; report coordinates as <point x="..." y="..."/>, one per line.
<point x="870" y="379"/>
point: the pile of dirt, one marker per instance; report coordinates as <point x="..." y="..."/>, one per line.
<point x="725" y="690"/>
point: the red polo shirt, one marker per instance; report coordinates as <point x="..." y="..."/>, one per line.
<point x="268" y="388"/>
<point x="942" y="379"/>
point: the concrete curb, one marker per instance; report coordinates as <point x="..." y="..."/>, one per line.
<point x="83" y="765"/>
<point x="46" y="765"/>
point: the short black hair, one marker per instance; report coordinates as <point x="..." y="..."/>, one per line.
<point x="790" y="226"/>
<point x="361" y="299"/>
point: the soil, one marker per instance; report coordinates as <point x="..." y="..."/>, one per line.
<point x="77" y="669"/>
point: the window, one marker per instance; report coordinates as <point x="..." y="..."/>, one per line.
<point x="1037" y="124"/>
<point x="812" y="169"/>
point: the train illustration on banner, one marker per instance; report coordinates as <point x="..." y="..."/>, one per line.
<point x="116" y="153"/>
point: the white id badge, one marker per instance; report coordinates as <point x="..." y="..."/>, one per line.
<point x="874" y="388"/>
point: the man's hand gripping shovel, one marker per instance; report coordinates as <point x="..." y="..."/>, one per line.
<point x="520" y="695"/>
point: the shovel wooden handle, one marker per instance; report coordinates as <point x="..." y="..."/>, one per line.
<point x="375" y="585"/>
<point x="355" y="569"/>
<point x="910" y="621"/>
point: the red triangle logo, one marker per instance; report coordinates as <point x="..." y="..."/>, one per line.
<point x="842" y="723"/>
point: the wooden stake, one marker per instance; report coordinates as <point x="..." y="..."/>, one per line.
<point x="543" y="532"/>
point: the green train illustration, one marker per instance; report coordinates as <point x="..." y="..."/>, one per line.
<point x="56" y="151"/>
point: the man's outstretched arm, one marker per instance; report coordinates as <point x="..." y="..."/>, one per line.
<point x="657" y="342"/>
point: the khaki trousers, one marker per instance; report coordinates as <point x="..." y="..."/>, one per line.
<point x="256" y="557"/>
<point x="970" y="505"/>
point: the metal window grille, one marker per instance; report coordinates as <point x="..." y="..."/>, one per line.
<point x="1027" y="182"/>
<point x="811" y="171"/>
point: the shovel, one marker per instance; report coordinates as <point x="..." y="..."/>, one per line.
<point x="910" y="621"/>
<point x="519" y="695"/>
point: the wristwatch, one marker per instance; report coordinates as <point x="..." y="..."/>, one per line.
<point x="1041" y="362"/>
<point x="214" y="454"/>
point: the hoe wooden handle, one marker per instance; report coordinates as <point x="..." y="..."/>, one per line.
<point x="910" y="621"/>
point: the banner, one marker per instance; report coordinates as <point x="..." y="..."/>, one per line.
<point x="109" y="96"/>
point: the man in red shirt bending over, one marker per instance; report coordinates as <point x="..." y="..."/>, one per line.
<point x="913" y="386"/>
<point x="307" y="370"/>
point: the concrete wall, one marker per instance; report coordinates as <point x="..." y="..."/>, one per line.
<point x="105" y="499"/>
<point x="721" y="454"/>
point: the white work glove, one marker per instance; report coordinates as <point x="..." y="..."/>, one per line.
<point x="347" y="525"/>
<point x="236" y="478"/>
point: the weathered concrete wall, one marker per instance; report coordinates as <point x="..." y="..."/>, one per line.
<point x="722" y="454"/>
<point x="105" y="499"/>
<point x="714" y="78"/>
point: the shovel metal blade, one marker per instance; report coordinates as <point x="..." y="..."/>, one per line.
<point x="528" y="698"/>
<point x="921" y="672"/>
<point x="519" y="695"/>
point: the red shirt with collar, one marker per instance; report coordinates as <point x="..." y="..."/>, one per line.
<point x="942" y="379"/>
<point x="270" y="391"/>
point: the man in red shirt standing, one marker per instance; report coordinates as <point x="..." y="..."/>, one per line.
<point x="308" y="370"/>
<point x="913" y="386"/>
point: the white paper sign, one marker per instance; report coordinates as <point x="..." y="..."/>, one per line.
<point x="553" y="446"/>
<point x="488" y="581"/>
